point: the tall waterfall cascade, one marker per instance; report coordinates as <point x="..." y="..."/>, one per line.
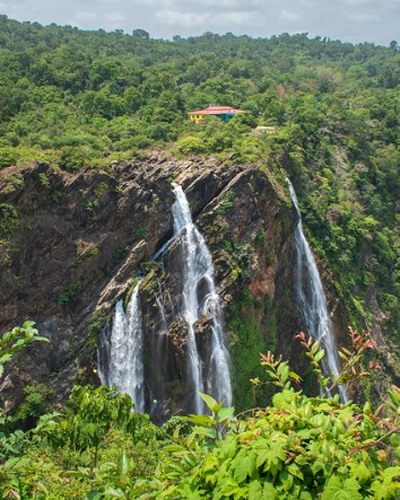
<point x="198" y="272"/>
<point x="120" y="352"/>
<point x="121" y="347"/>
<point x="312" y="300"/>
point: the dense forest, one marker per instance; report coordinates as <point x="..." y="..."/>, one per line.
<point x="89" y="100"/>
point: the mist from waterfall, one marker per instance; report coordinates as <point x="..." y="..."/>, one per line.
<point x="312" y="300"/>
<point x="201" y="299"/>
<point x="120" y="352"/>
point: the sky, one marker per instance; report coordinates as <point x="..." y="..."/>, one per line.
<point x="376" y="21"/>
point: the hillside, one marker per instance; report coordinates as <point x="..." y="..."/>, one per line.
<point x="163" y="256"/>
<point x="78" y="100"/>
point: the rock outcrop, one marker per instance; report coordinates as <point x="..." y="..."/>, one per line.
<point x="79" y="242"/>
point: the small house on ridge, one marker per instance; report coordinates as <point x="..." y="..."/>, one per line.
<point x="225" y="113"/>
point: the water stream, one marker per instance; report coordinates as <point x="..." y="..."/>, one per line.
<point x="121" y="351"/>
<point x="312" y="300"/>
<point x="201" y="300"/>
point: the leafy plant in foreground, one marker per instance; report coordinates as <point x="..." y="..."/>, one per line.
<point x="11" y="443"/>
<point x="352" y="361"/>
<point x="15" y="340"/>
<point x="298" y="448"/>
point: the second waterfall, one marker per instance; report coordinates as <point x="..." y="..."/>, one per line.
<point x="200" y="298"/>
<point x="312" y="300"/>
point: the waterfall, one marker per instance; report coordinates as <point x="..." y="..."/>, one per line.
<point x="201" y="299"/>
<point x="120" y="353"/>
<point x="312" y="299"/>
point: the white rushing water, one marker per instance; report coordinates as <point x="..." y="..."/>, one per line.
<point x="200" y="297"/>
<point x="312" y="300"/>
<point x="121" y="351"/>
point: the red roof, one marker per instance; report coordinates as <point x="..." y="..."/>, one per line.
<point x="217" y="110"/>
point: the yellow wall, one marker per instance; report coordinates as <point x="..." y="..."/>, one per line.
<point x="196" y="118"/>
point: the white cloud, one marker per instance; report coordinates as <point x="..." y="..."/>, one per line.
<point x="85" y="16"/>
<point x="309" y="3"/>
<point x="358" y="3"/>
<point x="185" y="19"/>
<point x="372" y="4"/>
<point x="362" y="17"/>
<point x="288" y="15"/>
<point x="238" y="18"/>
<point x="16" y="9"/>
<point x="210" y="4"/>
<point x="115" y="17"/>
<point x="206" y="19"/>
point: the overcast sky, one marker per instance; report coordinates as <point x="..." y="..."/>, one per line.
<point x="348" y="20"/>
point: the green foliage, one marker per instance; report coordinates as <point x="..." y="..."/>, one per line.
<point x="227" y="203"/>
<point x="7" y="157"/>
<point x="55" y="196"/>
<point x="43" y="472"/>
<point x="10" y="221"/>
<point x="15" y="181"/>
<point x="177" y="426"/>
<point x="74" y="158"/>
<point x="70" y="295"/>
<point x="97" y="320"/>
<point x="299" y="447"/>
<point x="247" y="342"/>
<point x="44" y="180"/>
<point x="212" y="426"/>
<point x="120" y="254"/>
<point x="90" y="415"/>
<point x="141" y="232"/>
<point x="35" y="404"/>
<point x="190" y="145"/>
<point x="81" y="99"/>
<point x="11" y="443"/>
<point x="17" y="339"/>
<point x="40" y="467"/>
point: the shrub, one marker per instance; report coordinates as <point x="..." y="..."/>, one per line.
<point x="71" y="294"/>
<point x="91" y="413"/>
<point x="74" y="158"/>
<point x="190" y="144"/>
<point x="35" y="404"/>
<point x="10" y="221"/>
<point x="8" y="156"/>
<point x="177" y="425"/>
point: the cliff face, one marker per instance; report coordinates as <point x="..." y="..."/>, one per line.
<point x="77" y="243"/>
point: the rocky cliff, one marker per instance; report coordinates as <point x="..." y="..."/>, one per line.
<point x="72" y="245"/>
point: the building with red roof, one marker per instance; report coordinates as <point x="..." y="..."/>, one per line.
<point x="226" y="113"/>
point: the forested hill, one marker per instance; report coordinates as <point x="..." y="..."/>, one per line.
<point x="78" y="99"/>
<point x="61" y="86"/>
<point x="113" y="204"/>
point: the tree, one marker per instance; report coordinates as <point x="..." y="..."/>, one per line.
<point x="91" y="413"/>
<point x="140" y="34"/>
